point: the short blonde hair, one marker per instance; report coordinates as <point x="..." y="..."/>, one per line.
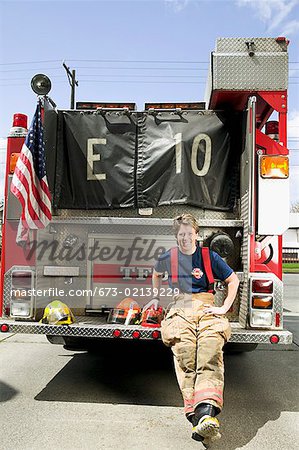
<point x="184" y="219"/>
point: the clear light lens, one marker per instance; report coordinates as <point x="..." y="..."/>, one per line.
<point x="20" y="309"/>
<point x="261" y="318"/>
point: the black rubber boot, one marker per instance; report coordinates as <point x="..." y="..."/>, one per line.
<point x="204" y="409"/>
<point x="189" y="417"/>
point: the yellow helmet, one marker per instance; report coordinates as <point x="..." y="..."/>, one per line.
<point x="57" y="313"/>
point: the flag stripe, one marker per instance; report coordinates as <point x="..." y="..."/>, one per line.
<point x="43" y="199"/>
<point x="25" y="215"/>
<point x="28" y="210"/>
<point x="45" y="188"/>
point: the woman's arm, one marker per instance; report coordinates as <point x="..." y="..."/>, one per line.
<point x="232" y="287"/>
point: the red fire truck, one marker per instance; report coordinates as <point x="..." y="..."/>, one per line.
<point x="117" y="178"/>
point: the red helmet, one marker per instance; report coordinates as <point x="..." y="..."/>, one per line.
<point x="152" y="317"/>
<point x="127" y="312"/>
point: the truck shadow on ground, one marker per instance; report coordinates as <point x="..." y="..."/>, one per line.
<point x="257" y="386"/>
<point x="122" y="372"/>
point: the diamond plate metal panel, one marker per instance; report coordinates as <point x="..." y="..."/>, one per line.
<point x="239" y="335"/>
<point x="267" y="72"/>
<point x="158" y="213"/>
<point x="277" y="294"/>
<point x="239" y="45"/>
<point x="244" y="291"/>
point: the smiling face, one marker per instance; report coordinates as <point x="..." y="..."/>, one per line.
<point x="186" y="238"/>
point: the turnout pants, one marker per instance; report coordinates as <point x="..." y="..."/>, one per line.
<point x="196" y="340"/>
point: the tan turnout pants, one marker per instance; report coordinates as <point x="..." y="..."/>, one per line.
<point x="196" y="340"/>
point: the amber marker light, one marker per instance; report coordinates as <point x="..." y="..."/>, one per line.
<point x="274" y="167"/>
<point x="13" y="162"/>
<point x="262" y="302"/>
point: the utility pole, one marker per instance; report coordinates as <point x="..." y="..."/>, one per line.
<point x="73" y="83"/>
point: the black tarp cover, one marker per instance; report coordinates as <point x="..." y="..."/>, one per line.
<point x="142" y="160"/>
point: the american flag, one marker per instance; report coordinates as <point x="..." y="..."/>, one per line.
<point x="29" y="182"/>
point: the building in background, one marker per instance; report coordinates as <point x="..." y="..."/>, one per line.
<point x="290" y="252"/>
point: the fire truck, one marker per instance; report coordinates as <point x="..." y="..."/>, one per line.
<point x="118" y="177"/>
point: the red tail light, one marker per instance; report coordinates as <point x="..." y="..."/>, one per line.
<point x="262" y="286"/>
<point x="274" y="339"/>
<point x="116" y="333"/>
<point x="156" y="334"/>
<point x="4" y="328"/>
<point x="136" y="334"/>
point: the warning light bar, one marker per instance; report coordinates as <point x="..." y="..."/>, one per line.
<point x="274" y="167"/>
<point x="99" y="105"/>
<point x="194" y="105"/>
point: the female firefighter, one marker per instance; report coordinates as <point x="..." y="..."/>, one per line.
<point x="195" y="329"/>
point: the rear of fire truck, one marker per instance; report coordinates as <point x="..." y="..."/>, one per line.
<point x="118" y="177"/>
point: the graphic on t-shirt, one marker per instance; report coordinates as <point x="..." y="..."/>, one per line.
<point x="197" y="273"/>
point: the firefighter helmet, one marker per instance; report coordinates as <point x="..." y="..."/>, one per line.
<point x="152" y="317"/>
<point x="127" y="312"/>
<point x="57" y="313"/>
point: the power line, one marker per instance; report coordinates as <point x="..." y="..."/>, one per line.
<point x="145" y="61"/>
<point x="142" y="68"/>
<point x="20" y="79"/>
<point x="30" y="62"/>
<point x="141" y="81"/>
<point x="29" y="70"/>
<point x="118" y="68"/>
<point x="112" y="68"/>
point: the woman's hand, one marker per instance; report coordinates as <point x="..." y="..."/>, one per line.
<point x="218" y="310"/>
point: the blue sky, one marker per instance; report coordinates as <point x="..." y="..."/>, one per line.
<point x="36" y="36"/>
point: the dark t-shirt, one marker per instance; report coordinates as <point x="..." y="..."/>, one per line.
<point x="191" y="274"/>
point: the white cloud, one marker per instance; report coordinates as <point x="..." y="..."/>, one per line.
<point x="177" y="5"/>
<point x="290" y="28"/>
<point x="284" y="7"/>
<point x="274" y="13"/>
<point x="263" y="8"/>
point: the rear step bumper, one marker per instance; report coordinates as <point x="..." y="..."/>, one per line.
<point x="93" y="330"/>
